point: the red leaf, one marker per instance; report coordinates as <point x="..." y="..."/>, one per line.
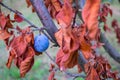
<point x="18" y="18"/>
<point x="90" y="17"/>
<point x="4" y="34"/>
<point x="19" y="45"/>
<point x="85" y="45"/>
<point x="51" y="76"/>
<point x="27" y="63"/>
<point x="56" y="5"/>
<point x="66" y="14"/>
<point x="92" y="75"/>
<point x="67" y="55"/>
<point x="106" y="28"/>
<point x="29" y="4"/>
<point x="3" y="20"/>
<point x="11" y="57"/>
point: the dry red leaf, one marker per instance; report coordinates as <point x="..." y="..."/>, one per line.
<point x="92" y="75"/>
<point x="21" y="50"/>
<point x="27" y="63"/>
<point x="67" y="55"/>
<point x="66" y="14"/>
<point x="98" y="69"/>
<point x="56" y="4"/>
<point x="51" y="76"/>
<point x="17" y="18"/>
<point x="52" y="66"/>
<point x="90" y="14"/>
<point x="3" y="20"/>
<point x="29" y="4"/>
<point x="52" y="72"/>
<point x="11" y="57"/>
<point x="9" y="22"/>
<point x="19" y="44"/>
<point x="4" y="34"/>
<point x="85" y="45"/>
<point x="116" y="27"/>
<point x="105" y="10"/>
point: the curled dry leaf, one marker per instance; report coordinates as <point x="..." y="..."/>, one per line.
<point x="67" y="55"/>
<point x="66" y="14"/>
<point x="27" y="63"/>
<point x="116" y="27"/>
<point x="51" y="76"/>
<point x="29" y="4"/>
<point x="52" y="72"/>
<point x="92" y="75"/>
<point x="4" y="34"/>
<point x="21" y="50"/>
<point x="17" y="18"/>
<point x="90" y="14"/>
<point x="3" y="20"/>
<point x="11" y="57"/>
<point x="54" y="6"/>
<point x="19" y="44"/>
<point x="105" y="10"/>
<point x="85" y="45"/>
<point x="98" y="69"/>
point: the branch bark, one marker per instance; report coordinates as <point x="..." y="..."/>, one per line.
<point x="109" y="48"/>
<point x="45" y="17"/>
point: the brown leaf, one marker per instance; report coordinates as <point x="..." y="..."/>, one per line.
<point x="67" y="55"/>
<point x="3" y="20"/>
<point x="19" y="44"/>
<point x="92" y="75"/>
<point x="52" y="66"/>
<point x="85" y="45"/>
<point x="11" y="57"/>
<point x="90" y="17"/>
<point x="56" y="5"/>
<point x="18" y="18"/>
<point x="27" y="63"/>
<point x="29" y="4"/>
<point x="116" y="27"/>
<point x="9" y="22"/>
<point x="66" y="14"/>
<point x="4" y="34"/>
<point x="51" y="76"/>
<point x="53" y="6"/>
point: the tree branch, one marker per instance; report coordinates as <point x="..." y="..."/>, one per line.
<point x="81" y="60"/>
<point x="45" y="17"/>
<point x="109" y="48"/>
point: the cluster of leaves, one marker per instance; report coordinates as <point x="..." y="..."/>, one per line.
<point x="116" y="28"/>
<point x="19" y="45"/>
<point x="105" y="10"/>
<point x="71" y="39"/>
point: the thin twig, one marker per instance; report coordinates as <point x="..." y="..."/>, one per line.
<point x="66" y="72"/>
<point x="31" y="24"/>
<point x="19" y="14"/>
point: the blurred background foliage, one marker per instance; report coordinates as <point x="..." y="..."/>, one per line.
<point x="40" y="70"/>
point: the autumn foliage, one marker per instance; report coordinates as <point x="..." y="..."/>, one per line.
<point x="70" y="37"/>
